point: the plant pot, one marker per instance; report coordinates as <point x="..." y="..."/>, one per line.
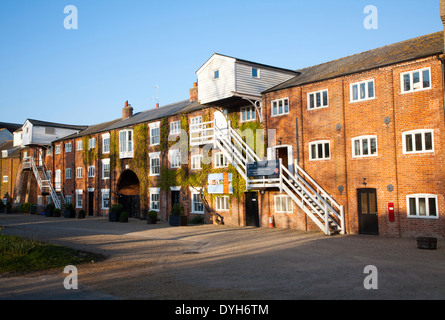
<point x="113" y="216"/>
<point x="427" y="243"/>
<point x="152" y="220"/>
<point x="176" y="221"/>
<point x="69" y="214"/>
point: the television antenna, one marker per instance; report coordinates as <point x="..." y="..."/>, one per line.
<point x="157" y="95"/>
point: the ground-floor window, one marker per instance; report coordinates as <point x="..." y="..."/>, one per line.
<point x="222" y="203"/>
<point x="155" y="199"/>
<point x="422" y="205"/>
<point x="283" y="204"/>
<point x="197" y="206"/>
<point x="79" y="199"/>
<point x="105" y="199"/>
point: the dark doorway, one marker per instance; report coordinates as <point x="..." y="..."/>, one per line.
<point x="252" y="213"/>
<point x="175" y="197"/>
<point x="367" y="211"/>
<point x="91" y="204"/>
<point x="128" y="191"/>
<point x="282" y="153"/>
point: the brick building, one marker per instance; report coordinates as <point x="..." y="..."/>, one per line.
<point x="354" y="145"/>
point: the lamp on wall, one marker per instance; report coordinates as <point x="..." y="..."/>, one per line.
<point x="364" y="182"/>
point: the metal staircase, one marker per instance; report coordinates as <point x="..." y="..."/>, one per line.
<point x="44" y="182"/>
<point x="323" y="210"/>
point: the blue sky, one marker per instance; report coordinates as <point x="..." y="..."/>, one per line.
<point x="122" y="49"/>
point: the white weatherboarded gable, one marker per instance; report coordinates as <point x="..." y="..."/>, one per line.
<point x="43" y="135"/>
<point x="236" y="78"/>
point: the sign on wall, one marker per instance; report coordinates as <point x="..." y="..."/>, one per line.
<point x="270" y="168"/>
<point x="220" y="183"/>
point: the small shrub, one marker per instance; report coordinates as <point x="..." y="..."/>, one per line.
<point x="152" y="214"/>
<point x="197" y="219"/>
<point x="177" y="210"/>
<point x="81" y="214"/>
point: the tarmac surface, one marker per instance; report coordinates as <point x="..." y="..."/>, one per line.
<point x="209" y="262"/>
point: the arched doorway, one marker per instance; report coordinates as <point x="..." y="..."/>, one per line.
<point x="128" y="193"/>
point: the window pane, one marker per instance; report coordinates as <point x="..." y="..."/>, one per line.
<point x="277" y="204"/>
<point x="354" y="92"/>
<point x="418" y="137"/>
<point x="364" y="202"/>
<point x="314" y="151"/>
<point x="318" y="99"/>
<point x="357" y="147"/>
<point x="365" y="147"/>
<point x="372" y="203"/>
<point x="416" y="79"/>
<point x="311" y="101"/>
<point x="432" y="207"/>
<point x="371" y="89"/>
<point x="409" y="143"/>
<point x="426" y="78"/>
<point x="428" y="141"/>
<point x="274" y="108"/>
<point x="412" y="207"/>
<point x="422" y="207"/>
<point x="320" y="151"/>
<point x="327" y="152"/>
<point x="362" y="90"/>
<point x="325" y="98"/>
<point x="286" y="106"/>
<point x="280" y="107"/>
<point x="407" y="82"/>
<point x="373" y="146"/>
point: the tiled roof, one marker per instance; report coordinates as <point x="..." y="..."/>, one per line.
<point x="412" y="49"/>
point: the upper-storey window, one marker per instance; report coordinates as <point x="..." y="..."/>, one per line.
<point x="68" y="147"/>
<point x="280" y="107"/>
<point x="318" y="100"/>
<point x="418" y="141"/>
<point x="126" y="144"/>
<point x="362" y="91"/>
<point x="416" y="80"/>
<point x="248" y="114"/>
<point x="216" y="75"/>
<point x="320" y="150"/>
<point x="79" y="145"/>
<point x="106" y="143"/>
<point x="175" y="127"/>
<point x="255" y="73"/>
<point x="155" y="133"/>
<point x="365" y="146"/>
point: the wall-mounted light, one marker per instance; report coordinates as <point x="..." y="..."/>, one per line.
<point x="338" y="127"/>
<point x="341" y="189"/>
<point x="364" y="182"/>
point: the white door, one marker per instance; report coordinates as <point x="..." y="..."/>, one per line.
<point x="40" y="158"/>
<point x="58" y="180"/>
<point x="220" y="121"/>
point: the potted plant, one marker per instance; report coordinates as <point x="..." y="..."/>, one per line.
<point x="152" y="217"/>
<point x="81" y="214"/>
<point x="177" y="217"/>
<point x="115" y="213"/>
<point x="69" y="211"/>
<point x="427" y="243"/>
<point x="123" y="217"/>
<point x="57" y="212"/>
<point x="49" y="209"/>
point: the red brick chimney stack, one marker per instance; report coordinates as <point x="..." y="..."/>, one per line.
<point x="127" y="111"/>
<point x="194" y="92"/>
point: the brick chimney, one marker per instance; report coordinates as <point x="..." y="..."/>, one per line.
<point x="127" y="111"/>
<point x="194" y="91"/>
<point x="442" y="16"/>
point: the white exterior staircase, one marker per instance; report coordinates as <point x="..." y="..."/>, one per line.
<point x="44" y="181"/>
<point x="323" y="210"/>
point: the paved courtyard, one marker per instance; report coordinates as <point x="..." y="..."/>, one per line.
<point x="209" y="262"/>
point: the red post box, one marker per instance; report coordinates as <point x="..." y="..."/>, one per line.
<point x="391" y="212"/>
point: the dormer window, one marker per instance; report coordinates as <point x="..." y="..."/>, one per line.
<point x="216" y="75"/>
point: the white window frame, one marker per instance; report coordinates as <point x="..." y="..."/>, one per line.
<point x="222" y="203"/>
<point x="216" y="75"/>
<point x="323" y="157"/>
<point x="155" y="199"/>
<point x="79" y="145"/>
<point x="196" y="162"/>
<point x="196" y="192"/>
<point x="105" y="192"/>
<point x="358" y="84"/>
<point x="79" y="173"/>
<point x="361" y="139"/>
<point x="175" y="159"/>
<point x="68" y="199"/>
<point x="40" y="200"/>
<point x="155" y="133"/>
<point x="126" y="147"/>
<point x="58" y="149"/>
<point x="5" y="179"/>
<point x="91" y="171"/>
<point x="427" y="197"/>
<point x="155" y="156"/>
<point x="278" y="113"/>
<point x="106" y="174"/>
<point x="68" y="147"/>
<point x="175" y="127"/>
<point x="279" y="200"/>
<point x="314" y="94"/>
<point x="68" y="174"/>
<point x="258" y="73"/>
<point x="220" y="159"/>
<point x="413" y="134"/>
<point x="79" y="199"/>
<point x="247" y="114"/>
<point x="410" y="73"/>
<point x="91" y="143"/>
<point x="106" y="143"/>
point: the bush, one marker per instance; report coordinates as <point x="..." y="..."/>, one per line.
<point x="197" y="220"/>
<point x="152" y="214"/>
<point x="50" y="207"/>
<point x="177" y="210"/>
<point x="81" y="214"/>
<point x="57" y="212"/>
<point x="123" y="217"/>
<point x="69" y="206"/>
<point x="25" y="207"/>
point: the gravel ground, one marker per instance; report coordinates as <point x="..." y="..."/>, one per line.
<point x="209" y="262"/>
